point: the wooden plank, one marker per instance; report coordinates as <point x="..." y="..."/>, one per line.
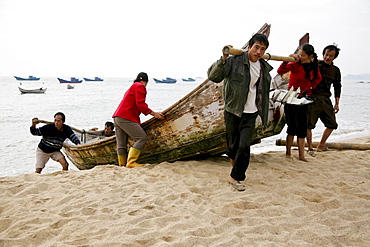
<point x="334" y="145"/>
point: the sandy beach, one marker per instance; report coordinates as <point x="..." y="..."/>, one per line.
<point x="324" y="202"/>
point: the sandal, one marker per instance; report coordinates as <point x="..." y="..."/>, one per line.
<point x="238" y="186"/>
<point x="311" y="152"/>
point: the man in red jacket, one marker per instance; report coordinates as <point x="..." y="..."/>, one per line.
<point x="127" y="122"/>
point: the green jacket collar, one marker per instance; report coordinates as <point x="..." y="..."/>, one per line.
<point x="266" y="65"/>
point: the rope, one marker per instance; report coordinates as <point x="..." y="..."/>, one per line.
<point x="269" y="56"/>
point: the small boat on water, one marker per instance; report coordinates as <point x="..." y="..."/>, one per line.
<point x="69" y="86"/>
<point x="167" y="80"/>
<point x="95" y="79"/>
<point x="33" y="90"/>
<point x="72" y="80"/>
<point x="30" y="78"/>
<point x="189" y="79"/>
<point x="193" y="127"/>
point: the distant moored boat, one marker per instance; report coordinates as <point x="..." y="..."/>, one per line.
<point x="30" y="78"/>
<point x="189" y="79"/>
<point x="167" y="80"/>
<point x="95" y="79"/>
<point x="73" y="80"/>
<point x="33" y="90"/>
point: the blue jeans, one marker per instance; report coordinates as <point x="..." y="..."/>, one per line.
<point x="239" y="134"/>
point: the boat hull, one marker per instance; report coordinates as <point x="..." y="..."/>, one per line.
<point x="96" y="79"/>
<point x="165" y="80"/>
<point x="193" y="127"/>
<point x="37" y="90"/>
<point x="89" y="155"/>
<point x="189" y="79"/>
<point x="67" y="81"/>
<point x="31" y="78"/>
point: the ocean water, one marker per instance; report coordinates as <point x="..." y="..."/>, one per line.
<point x="91" y="104"/>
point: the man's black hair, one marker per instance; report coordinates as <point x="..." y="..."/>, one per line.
<point x="110" y="124"/>
<point x="259" y="37"/>
<point x="332" y="48"/>
<point x="60" y="114"/>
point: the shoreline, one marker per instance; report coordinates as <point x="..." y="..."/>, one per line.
<point x="324" y="201"/>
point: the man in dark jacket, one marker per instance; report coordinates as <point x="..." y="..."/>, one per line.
<point x="53" y="136"/>
<point x="246" y="95"/>
<point x="323" y="107"/>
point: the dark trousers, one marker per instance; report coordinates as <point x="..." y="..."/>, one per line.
<point x="239" y="133"/>
<point x="296" y="119"/>
<point x="322" y="108"/>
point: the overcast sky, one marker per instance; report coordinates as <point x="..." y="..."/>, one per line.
<point x="119" y="38"/>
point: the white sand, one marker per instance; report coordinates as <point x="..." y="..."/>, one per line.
<point x="325" y="202"/>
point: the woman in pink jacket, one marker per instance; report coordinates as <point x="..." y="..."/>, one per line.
<point x="127" y="122"/>
<point x="304" y="74"/>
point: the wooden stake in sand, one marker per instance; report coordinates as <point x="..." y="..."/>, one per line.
<point x="335" y="145"/>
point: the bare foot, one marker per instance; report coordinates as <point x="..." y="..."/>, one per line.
<point x="289" y="157"/>
<point x="303" y="159"/>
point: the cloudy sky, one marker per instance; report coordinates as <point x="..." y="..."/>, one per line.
<point x="119" y="38"/>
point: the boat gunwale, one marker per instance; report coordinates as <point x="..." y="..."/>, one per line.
<point x="89" y="145"/>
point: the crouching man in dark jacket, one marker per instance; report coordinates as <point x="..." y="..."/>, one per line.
<point x="53" y="136"/>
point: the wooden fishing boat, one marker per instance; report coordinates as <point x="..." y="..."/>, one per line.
<point x="30" y="78"/>
<point x="189" y="79"/>
<point x="95" y="79"/>
<point x="72" y="80"/>
<point x="167" y="80"/>
<point x="193" y="127"/>
<point x="33" y="90"/>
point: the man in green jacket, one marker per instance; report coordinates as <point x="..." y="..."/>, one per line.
<point x="246" y="95"/>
